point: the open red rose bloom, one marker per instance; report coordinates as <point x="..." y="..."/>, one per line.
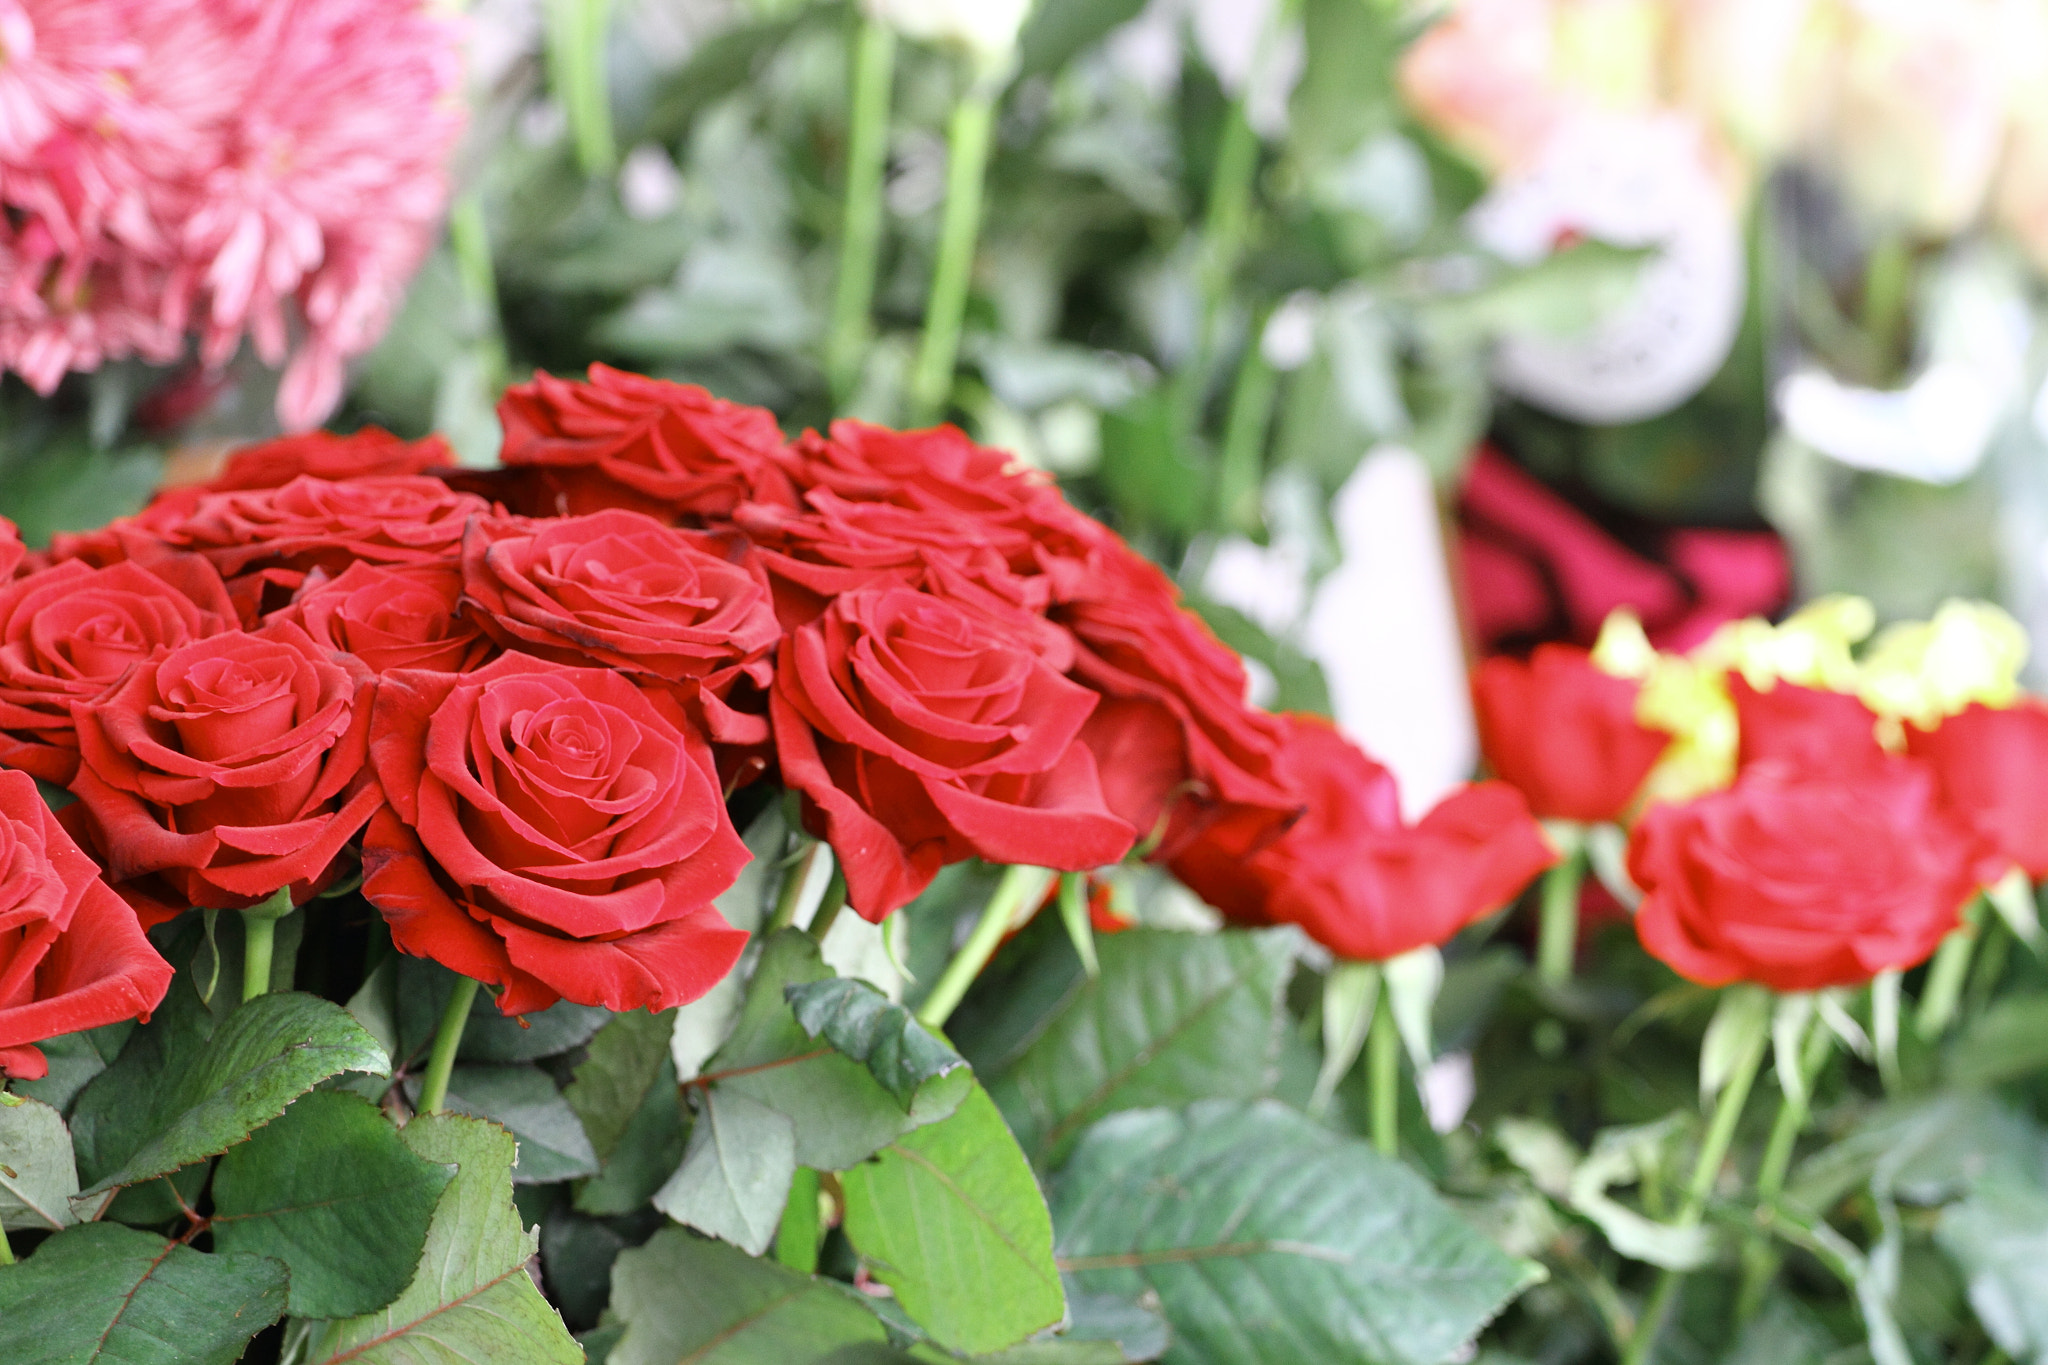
<point x="519" y="699"/>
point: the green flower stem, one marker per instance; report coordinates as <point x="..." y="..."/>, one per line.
<point x="259" y="938"/>
<point x="860" y="232"/>
<point x="1945" y="978"/>
<point x="1557" y="940"/>
<point x="447" y="1038"/>
<point x="576" y="67"/>
<point x="1383" y="1077"/>
<point x="6" y="1251"/>
<point x="1241" y="471"/>
<point x="792" y="891"/>
<point x="967" y="149"/>
<point x="1017" y="884"/>
<point x="1759" y="1258"/>
<point x="1226" y="224"/>
<point x="469" y="241"/>
<point x="1713" y="1152"/>
<point x="829" y="907"/>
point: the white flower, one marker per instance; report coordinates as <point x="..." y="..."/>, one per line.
<point x="987" y="29"/>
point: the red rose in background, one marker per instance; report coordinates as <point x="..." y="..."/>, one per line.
<point x="1179" y="748"/>
<point x="1563" y="733"/>
<point x="922" y="732"/>
<point x="229" y="767"/>
<point x="1991" y="767"/>
<point x="1535" y="567"/>
<point x="1357" y="879"/>
<point x="937" y="469"/>
<point x="554" y="831"/>
<point x="621" y="589"/>
<point x="312" y="524"/>
<point x="69" y="632"/>
<point x="1804" y="727"/>
<point x="622" y="440"/>
<point x="72" y="956"/>
<point x="1799" y="881"/>
<point x="370" y="452"/>
<point x="393" y="616"/>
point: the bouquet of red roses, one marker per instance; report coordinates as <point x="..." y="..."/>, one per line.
<point x="514" y="722"/>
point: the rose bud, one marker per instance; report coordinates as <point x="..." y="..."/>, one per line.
<point x="553" y="831"/>
<point x="229" y="768"/>
<point x="922" y="732"/>
<point x="1360" y="881"/>
<point x="1564" y="733"/>
<point x="72" y="956"/>
<point x="1799" y="880"/>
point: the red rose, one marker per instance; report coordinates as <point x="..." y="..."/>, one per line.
<point x="623" y="440"/>
<point x="1803" y="727"/>
<point x="1800" y="880"/>
<point x="553" y="831"/>
<point x="1991" y="767"/>
<point x="1179" y="748"/>
<point x="231" y="766"/>
<point x="922" y="732"/>
<point x="312" y="524"/>
<point x="13" y="553"/>
<point x="370" y="452"/>
<point x="402" y="616"/>
<point x="623" y="590"/>
<point x="1360" y="882"/>
<point x="68" y="633"/>
<point x="72" y="956"/>
<point x="1563" y="733"/>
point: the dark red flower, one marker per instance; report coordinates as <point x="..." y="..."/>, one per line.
<point x="623" y="440"/>
<point x="68" y="633"/>
<point x="72" y="956"/>
<point x="1563" y="733"/>
<point x="1799" y="880"/>
<point x="553" y="831"/>
<point x="1351" y="874"/>
<point x="393" y="616"/>
<point x="229" y="767"/>
<point x="922" y="732"/>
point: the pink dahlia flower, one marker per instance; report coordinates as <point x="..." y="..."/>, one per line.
<point x="217" y="168"/>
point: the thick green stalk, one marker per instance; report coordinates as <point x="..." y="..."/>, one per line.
<point x="1018" y="884"/>
<point x="259" y="940"/>
<point x="1759" y="1259"/>
<point x="1225" y="226"/>
<point x="447" y="1039"/>
<point x="967" y="149"/>
<point x="1944" y="990"/>
<point x="1557" y="941"/>
<point x="1713" y="1152"/>
<point x="796" y="1241"/>
<point x="576" y="66"/>
<point x="830" y="905"/>
<point x="860" y="231"/>
<point x="1383" y="1077"/>
<point x="1241" y="471"/>
<point x="792" y="890"/>
<point x="6" y="1251"/>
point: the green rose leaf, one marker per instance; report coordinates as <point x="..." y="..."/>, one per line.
<point x="841" y="1112"/>
<point x="951" y="1218"/>
<point x="38" y="1175"/>
<point x="1268" y="1237"/>
<point x="1172" y="1018"/>
<point x="331" y="1191"/>
<point x="684" y="1298"/>
<point x="177" y="1095"/>
<point x="470" y="1298"/>
<point x="74" y="1059"/>
<point x="625" y="1094"/>
<point x="105" y="1293"/>
<point x="735" y="1177"/>
<point x="552" y="1143"/>
<point x="924" y="1073"/>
